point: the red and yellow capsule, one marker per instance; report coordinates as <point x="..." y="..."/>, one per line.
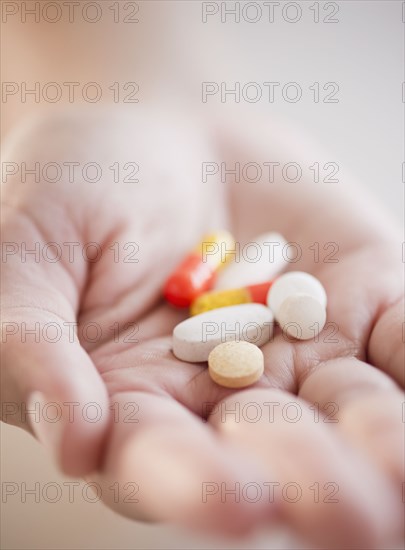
<point x="231" y="297"/>
<point x="196" y="273"/>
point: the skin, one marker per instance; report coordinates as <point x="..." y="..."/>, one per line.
<point x="182" y="439"/>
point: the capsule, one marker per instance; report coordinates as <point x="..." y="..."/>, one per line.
<point x="268" y="263"/>
<point x="197" y="272"/>
<point x="223" y="298"/>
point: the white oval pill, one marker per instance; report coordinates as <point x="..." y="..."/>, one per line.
<point x="196" y="337"/>
<point x="236" y="364"/>
<point x="292" y="283"/>
<point x="258" y="261"/>
<point x="302" y="316"/>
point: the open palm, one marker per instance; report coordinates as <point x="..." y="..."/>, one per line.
<point x="317" y="443"/>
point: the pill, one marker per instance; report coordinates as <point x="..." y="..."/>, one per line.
<point x="197" y="271"/>
<point x="302" y="316"/>
<point x="292" y="283"/>
<point x="235" y="364"/>
<point x="222" y="298"/>
<point x="259" y="260"/>
<point x="196" y="337"/>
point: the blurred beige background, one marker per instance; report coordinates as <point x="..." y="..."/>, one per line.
<point x="169" y="53"/>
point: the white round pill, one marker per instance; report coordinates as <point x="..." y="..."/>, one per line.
<point x="292" y="283"/>
<point x="302" y="316"/>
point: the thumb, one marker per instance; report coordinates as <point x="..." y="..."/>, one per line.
<point x="48" y="382"/>
<point x="51" y="388"/>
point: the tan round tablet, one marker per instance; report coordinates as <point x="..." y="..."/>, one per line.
<point x="235" y="364"/>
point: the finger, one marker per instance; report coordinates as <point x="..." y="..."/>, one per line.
<point x="319" y="489"/>
<point x="176" y="467"/>
<point x="366" y="406"/>
<point x="42" y="361"/>
<point x="386" y="348"/>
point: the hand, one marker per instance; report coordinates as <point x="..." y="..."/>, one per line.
<point x="176" y="467"/>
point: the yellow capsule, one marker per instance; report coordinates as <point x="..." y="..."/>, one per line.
<point x="232" y="297"/>
<point x="219" y="298"/>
